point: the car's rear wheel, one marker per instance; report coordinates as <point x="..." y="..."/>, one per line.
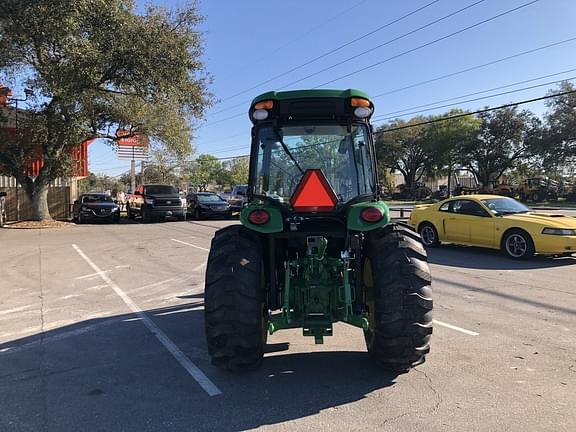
<point x="429" y="234"/>
<point x="518" y="244"/>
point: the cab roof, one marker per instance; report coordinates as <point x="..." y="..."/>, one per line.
<point x="314" y="93"/>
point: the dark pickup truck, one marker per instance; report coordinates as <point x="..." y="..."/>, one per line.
<point x="155" y="201"/>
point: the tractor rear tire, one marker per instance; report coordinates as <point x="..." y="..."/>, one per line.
<point x="235" y="308"/>
<point x="397" y="269"/>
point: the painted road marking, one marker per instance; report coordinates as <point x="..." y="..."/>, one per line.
<point x="204" y="382"/>
<point x="18" y="309"/>
<point x="91" y="275"/>
<point x="200" y="267"/>
<point x="191" y="245"/>
<point x="453" y="327"/>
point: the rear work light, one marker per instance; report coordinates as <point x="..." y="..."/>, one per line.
<point x="362" y="107"/>
<point x="259" y="217"/>
<point x="261" y="109"/>
<point x="371" y="215"/>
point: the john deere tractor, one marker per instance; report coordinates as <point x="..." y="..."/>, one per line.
<point x="316" y="245"/>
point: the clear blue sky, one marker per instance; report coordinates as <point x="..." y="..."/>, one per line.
<point x="248" y="42"/>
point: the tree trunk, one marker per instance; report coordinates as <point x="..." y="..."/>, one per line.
<point x="40" y="210"/>
<point x="37" y="193"/>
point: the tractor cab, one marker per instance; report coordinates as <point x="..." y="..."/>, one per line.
<point x="323" y="130"/>
<point x="312" y="156"/>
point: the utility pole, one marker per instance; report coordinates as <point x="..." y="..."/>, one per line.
<point x="133" y="172"/>
<point x="27" y="92"/>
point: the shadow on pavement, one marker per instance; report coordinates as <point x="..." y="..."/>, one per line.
<point x="112" y="374"/>
<point x="490" y="259"/>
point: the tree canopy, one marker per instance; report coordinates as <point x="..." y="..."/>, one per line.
<point x="94" y="66"/>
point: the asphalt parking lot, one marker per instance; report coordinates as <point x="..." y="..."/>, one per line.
<point x="101" y="329"/>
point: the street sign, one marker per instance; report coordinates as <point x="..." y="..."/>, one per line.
<point x="130" y="152"/>
<point x="125" y="138"/>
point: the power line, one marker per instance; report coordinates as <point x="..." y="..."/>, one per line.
<point x="332" y="51"/>
<point x="427" y="44"/>
<point x="436" y="21"/>
<point x="302" y="36"/>
<point x="389" y="116"/>
<point x="485" y="110"/>
<point x="405" y="53"/>
<point x="490" y="63"/>
<point x="223" y="139"/>
<point x="522" y="102"/>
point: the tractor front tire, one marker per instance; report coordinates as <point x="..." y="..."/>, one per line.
<point x="397" y="280"/>
<point x="235" y="311"/>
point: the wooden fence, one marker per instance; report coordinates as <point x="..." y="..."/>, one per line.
<point x="17" y="203"/>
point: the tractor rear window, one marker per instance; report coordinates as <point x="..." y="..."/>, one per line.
<point x="285" y="153"/>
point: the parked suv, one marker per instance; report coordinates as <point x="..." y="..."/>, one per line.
<point x="207" y="204"/>
<point x="2" y="209"/>
<point x="155" y="201"/>
<point x="238" y="197"/>
<point x="95" y="207"/>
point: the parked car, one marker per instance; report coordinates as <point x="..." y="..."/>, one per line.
<point x="95" y="207"/>
<point x="207" y="204"/>
<point x="2" y="209"/>
<point x="238" y="197"/>
<point x="495" y="222"/>
<point x="155" y="201"/>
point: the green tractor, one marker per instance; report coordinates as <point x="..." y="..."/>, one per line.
<point x="316" y="245"/>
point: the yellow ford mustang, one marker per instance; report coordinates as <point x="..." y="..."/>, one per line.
<point x="495" y="222"/>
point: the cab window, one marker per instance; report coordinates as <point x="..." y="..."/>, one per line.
<point x="445" y="207"/>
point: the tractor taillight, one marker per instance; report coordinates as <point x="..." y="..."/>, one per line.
<point x="371" y="215"/>
<point x="259" y="217"/>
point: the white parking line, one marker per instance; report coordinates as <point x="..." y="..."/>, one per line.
<point x="18" y="309"/>
<point x="204" y="382"/>
<point x="91" y="275"/>
<point x="453" y="327"/>
<point x="200" y="267"/>
<point x="191" y="245"/>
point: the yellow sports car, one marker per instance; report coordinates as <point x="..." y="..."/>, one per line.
<point x="495" y="222"/>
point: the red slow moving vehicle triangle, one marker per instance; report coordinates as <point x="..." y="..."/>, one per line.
<point x="313" y="194"/>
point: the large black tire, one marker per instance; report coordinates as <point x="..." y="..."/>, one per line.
<point x="399" y="296"/>
<point x="235" y="310"/>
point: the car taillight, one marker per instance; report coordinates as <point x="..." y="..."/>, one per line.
<point x="259" y="217"/>
<point x="371" y="215"/>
